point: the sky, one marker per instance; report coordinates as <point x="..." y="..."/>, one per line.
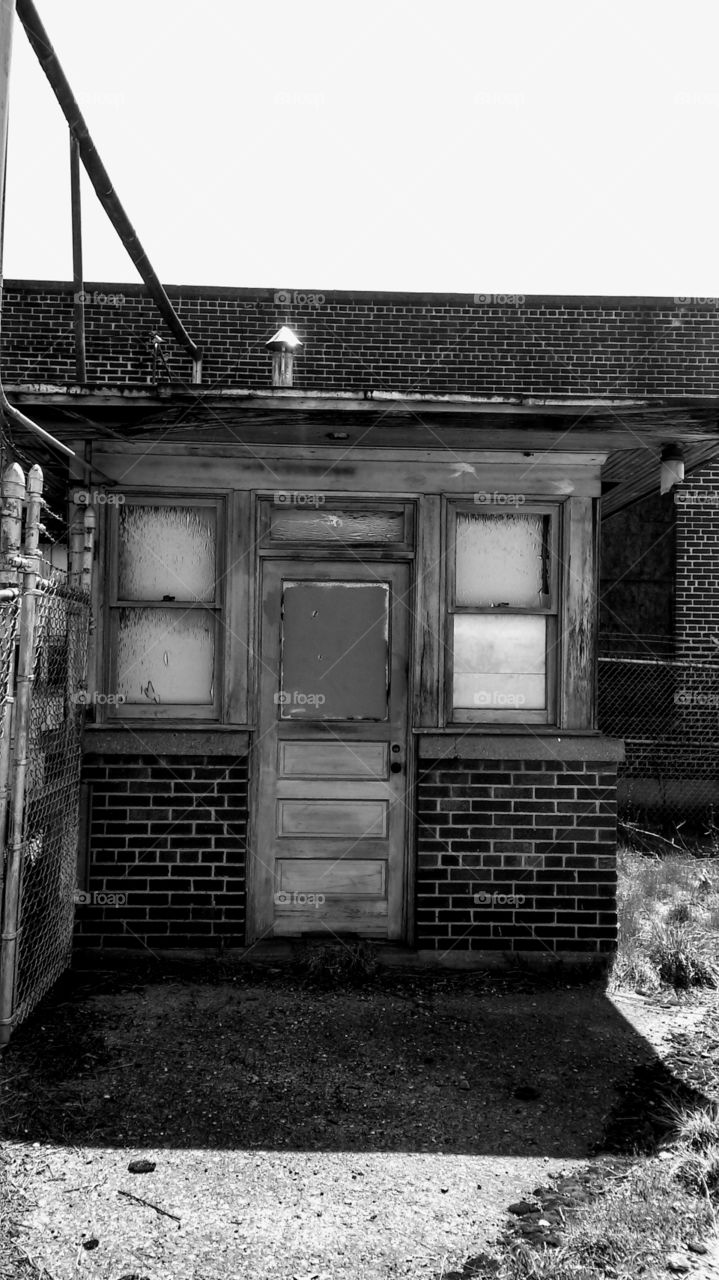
<point x="511" y="146"/>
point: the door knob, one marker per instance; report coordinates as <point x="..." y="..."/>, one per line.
<point x="395" y="767"/>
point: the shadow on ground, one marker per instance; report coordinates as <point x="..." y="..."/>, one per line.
<point x="457" y="1064"/>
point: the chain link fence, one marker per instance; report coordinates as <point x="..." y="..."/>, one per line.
<point x="52" y="794"/>
<point x="44" y="633"/>
<point x="667" y="712"/>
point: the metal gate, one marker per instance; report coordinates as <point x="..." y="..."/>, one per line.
<point x="44" y="629"/>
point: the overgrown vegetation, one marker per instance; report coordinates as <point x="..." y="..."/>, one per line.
<point x="625" y="1233"/>
<point x="668" y="908"/>
<point x="337" y="964"/>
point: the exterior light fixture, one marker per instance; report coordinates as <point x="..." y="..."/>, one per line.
<point x="283" y="345"/>
<point x="671" y="471"/>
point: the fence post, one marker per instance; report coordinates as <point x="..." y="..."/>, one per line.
<point x="13" y="493"/>
<point x="87" y="550"/>
<point x="75" y="563"/>
<point x="26" y="663"/>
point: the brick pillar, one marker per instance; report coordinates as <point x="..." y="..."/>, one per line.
<point x="697" y="565"/>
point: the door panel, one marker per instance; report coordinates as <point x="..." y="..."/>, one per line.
<point x="330" y="819"/>
<point x="335" y="650"/>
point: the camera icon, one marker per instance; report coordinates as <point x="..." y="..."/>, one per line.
<point x="81" y="898"/>
<point x="281" y="699"/>
<point x="81" y="698"/>
<point x="482" y="899"/>
<point x="282" y="899"/>
<point x="283" y="298"/>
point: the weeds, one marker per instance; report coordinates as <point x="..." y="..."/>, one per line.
<point x="338" y="964"/>
<point x="681" y="956"/>
<point x="668" y="911"/>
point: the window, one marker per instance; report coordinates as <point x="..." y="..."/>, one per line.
<point x="502" y="614"/>
<point x="165" y="610"/>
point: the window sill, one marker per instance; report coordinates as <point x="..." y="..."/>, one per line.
<point x="535" y="744"/>
<point x="180" y="740"/>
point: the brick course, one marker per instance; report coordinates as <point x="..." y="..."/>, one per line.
<point x="445" y="343"/>
<point x="542" y="830"/>
<point x="170" y="833"/>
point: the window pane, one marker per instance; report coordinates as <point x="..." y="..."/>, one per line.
<point x="165" y="656"/>
<point x="502" y="559"/>
<point x="167" y="553"/>
<point x="334" y="651"/>
<point x="297" y="524"/>
<point x="500" y="663"/>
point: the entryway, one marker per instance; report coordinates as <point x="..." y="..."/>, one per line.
<point x="328" y="850"/>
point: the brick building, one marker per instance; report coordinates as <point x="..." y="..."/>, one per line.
<point x="344" y="668"/>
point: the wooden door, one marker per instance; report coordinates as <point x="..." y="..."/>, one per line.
<point x="328" y="849"/>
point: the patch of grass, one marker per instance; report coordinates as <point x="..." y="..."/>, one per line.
<point x="338" y="964"/>
<point x="681" y="956"/>
<point x="668" y="913"/>
<point x="626" y="1232"/>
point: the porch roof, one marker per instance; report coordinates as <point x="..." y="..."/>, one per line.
<point x="632" y="431"/>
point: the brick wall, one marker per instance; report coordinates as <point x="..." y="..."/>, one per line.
<point x="697" y="565"/>
<point x="169" y="834"/>
<point x="542" y="830"/>
<point x="419" y="343"/>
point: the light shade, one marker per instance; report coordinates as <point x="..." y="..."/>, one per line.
<point x="284" y="340"/>
<point x="671" y="471"/>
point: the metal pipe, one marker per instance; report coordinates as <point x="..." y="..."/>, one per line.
<point x="78" y="283"/>
<point x="13" y="494"/>
<point x="97" y="173"/>
<point x="7" y="16"/>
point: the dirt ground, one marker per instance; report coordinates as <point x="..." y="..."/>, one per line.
<point x="371" y="1133"/>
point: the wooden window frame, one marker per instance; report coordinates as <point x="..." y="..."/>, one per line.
<point x="209" y="711"/>
<point x="549" y="716"/>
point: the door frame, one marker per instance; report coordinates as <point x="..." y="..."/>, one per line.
<point x="255" y="934"/>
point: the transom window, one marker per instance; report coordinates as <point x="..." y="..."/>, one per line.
<point x="503" y="604"/>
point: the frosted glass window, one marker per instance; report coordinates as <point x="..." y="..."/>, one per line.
<point x="335" y="651"/>
<point x="166" y="553"/>
<point x="500" y="662"/>
<point x="297" y="524"/>
<point x="502" y="559"/>
<point x="165" y="656"/>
